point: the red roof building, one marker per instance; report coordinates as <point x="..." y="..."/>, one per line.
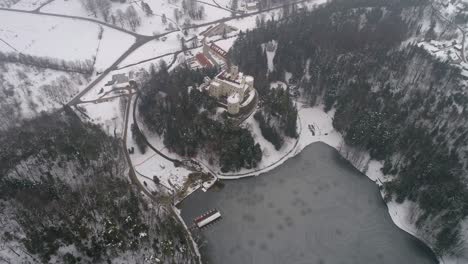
<point x="203" y="60"/>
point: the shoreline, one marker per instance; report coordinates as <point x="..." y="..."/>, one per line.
<point x="335" y="140"/>
<point x="324" y="133"/>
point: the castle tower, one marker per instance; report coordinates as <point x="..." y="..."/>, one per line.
<point x="234" y="71"/>
<point x="233" y="104"/>
<point x="249" y="80"/>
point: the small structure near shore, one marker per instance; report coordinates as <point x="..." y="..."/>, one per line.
<point x="207" y="218"/>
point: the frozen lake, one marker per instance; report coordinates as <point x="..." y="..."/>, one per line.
<point x="315" y="208"/>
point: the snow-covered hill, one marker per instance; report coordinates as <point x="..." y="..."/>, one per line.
<point x="25" y="91"/>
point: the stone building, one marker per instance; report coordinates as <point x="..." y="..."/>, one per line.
<point x="232" y="84"/>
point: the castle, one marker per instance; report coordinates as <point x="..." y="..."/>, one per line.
<point x="234" y="90"/>
<point x="235" y="86"/>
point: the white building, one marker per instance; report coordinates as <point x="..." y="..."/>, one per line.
<point x="251" y="6"/>
<point x="233" y="103"/>
<point x="231" y="84"/>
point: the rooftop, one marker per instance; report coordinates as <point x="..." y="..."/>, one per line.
<point x="233" y="98"/>
<point x="203" y="60"/>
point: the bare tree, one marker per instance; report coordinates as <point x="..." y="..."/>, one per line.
<point x="104" y="8"/>
<point x="176" y="14"/>
<point x="120" y="17"/>
<point x="132" y="18"/>
<point x="146" y="8"/>
<point x="90" y="6"/>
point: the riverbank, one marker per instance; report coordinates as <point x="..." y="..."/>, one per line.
<point x="403" y="215"/>
<point x="321" y="130"/>
<point x="316" y="207"/>
<point x="315" y="125"/>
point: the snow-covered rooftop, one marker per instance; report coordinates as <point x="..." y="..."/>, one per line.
<point x="233" y="98"/>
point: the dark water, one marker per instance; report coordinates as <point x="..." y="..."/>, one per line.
<point x="315" y="208"/>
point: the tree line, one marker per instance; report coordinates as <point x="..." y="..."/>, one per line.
<point x="392" y="100"/>
<point x="278" y="116"/>
<point x="84" y="67"/>
<point x="126" y="18"/>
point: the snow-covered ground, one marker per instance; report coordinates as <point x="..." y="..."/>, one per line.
<point x="224" y="3"/>
<point x="22" y="4"/>
<point x="154" y="48"/>
<point x="150" y="164"/>
<point x="308" y="116"/>
<point x="150" y="24"/>
<point x="48" y="36"/>
<point x="171" y="45"/>
<point x="98" y="90"/>
<point x="112" y="45"/>
<point x="226" y="44"/>
<point x="316" y="117"/>
<point x="403" y="214"/>
<point x="212" y="13"/>
<point x="66" y="7"/>
<point x="107" y="114"/>
<point x="61" y="38"/>
<point x="29" y="90"/>
<point x="270" y="53"/>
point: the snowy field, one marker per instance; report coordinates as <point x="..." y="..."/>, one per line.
<point x="109" y="115"/>
<point x="28" y="5"/>
<point x="28" y="90"/>
<point x="112" y="45"/>
<point x="48" y="36"/>
<point x="212" y="13"/>
<point x="61" y="38"/>
<point x="226" y="44"/>
<point x="223" y="3"/>
<point x="154" y="48"/>
<point x="172" y="58"/>
<point x="150" y="24"/>
<point x="150" y="164"/>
